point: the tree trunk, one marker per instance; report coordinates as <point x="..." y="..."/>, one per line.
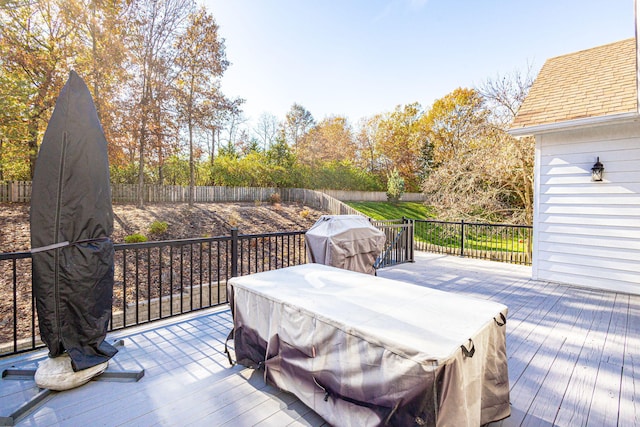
<point x="33" y="145"/>
<point x="192" y="181"/>
<point x="1" y="168"/>
<point x="213" y="146"/>
<point x="94" y="51"/>
<point x="143" y="132"/>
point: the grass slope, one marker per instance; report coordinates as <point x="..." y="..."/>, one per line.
<point x="480" y="238"/>
<point x="386" y="210"/>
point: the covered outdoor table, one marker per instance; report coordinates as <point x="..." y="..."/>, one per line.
<point x="362" y="350"/>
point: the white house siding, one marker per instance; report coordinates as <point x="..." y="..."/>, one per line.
<point x="588" y="233"/>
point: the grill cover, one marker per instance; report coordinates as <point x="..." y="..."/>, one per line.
<point x="71" y="202"/>
<point x="345" y="241"/>
<point x="366" y="351"/>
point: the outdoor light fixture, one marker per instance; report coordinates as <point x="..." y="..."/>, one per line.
<point x="597" y="170"/>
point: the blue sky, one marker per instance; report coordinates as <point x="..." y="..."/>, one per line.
<point x="362" y="57"/>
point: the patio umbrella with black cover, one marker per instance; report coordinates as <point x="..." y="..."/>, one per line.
<point x="71" y="224"/>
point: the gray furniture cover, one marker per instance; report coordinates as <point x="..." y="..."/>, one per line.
<point x="345" y="241"/>
<point x="71" y="223"/>
<point x="365" y="351"/>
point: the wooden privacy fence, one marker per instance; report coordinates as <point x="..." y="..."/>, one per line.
<point x="123" y="193"/>
<point x="15" y="191"/>
<point x="20" y="192"/>
<point x="129" y="193"/>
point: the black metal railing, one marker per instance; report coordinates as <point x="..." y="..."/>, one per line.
<point x="496" y="242"/>
<point x="399" y="242"/>
<point x="157" y="280"/>
<point x="17" y="312"/>
<point x="153" y="280"/>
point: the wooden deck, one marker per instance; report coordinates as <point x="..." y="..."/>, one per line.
<point x="574" y="359"/>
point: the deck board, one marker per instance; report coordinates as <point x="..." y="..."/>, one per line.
<point x="537" y="355"/>
<point x="524" y="339"/>
<point x="570" y="381"/>
<point x="287" y="415"/>
<point x="573" y="359"/>
<point x="629" y="412"/>
<point x="264" y="410"/>
<point x="605" y="403"/>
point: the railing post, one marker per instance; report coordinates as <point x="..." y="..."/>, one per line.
<point x="462" y="238"/>
<point x="234" y="252"/>
<point x="412" y="242"/>
<point x="409" y="230"/>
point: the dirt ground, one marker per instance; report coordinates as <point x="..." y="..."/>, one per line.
<point x="202" y="220"/>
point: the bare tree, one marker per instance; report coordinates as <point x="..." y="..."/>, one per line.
<point x="505" y="94"/>
<point x="483" y="174"/>
<point x="234" y="124"/>
<point x="266" y="130"/>
<point x="298" y="122"/>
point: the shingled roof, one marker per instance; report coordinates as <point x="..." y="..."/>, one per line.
<point x="591" y="83"/>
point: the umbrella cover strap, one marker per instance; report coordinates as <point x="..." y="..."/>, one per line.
<point x="65" y="244"/>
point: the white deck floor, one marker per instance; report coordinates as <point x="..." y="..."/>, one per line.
<point x="574" y="359"/>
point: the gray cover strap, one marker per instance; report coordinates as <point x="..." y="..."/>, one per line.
<point x="65" y="244"/>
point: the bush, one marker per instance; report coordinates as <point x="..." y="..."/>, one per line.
<point x="342" y="175"/>
<point x="395" y="186"/>
<point x="305" y="213"/>
<point x="135" y="238"/>
<point x="158" y="227"/>
<point x="281" y="169"/>
<point x="275" y="198"/>
<point x="233" y="220"/>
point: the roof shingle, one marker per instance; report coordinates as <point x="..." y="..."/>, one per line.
<point x="590" y="83"/>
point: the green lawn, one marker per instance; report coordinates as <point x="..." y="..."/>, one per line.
<point x="481" y="238"/>
<point x="448" y="235"/>
<point x="386" y="210"/>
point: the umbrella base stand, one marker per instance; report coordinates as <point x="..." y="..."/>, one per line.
<point x="43" y="394"/>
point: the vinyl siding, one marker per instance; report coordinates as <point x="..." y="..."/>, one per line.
<point x="588" y="233"/>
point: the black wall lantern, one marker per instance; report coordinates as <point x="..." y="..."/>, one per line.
<point x="597" y="170"/>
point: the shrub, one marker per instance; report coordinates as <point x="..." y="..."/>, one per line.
<point x="275" y="198"/>
<point x="395" y="186"/>
<point x="343" y="175"/>
<point x="233" y="220"/>
<point x="135" y="238"/>
<point x="158" y="227"/>
<point x="305" y="213"/>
